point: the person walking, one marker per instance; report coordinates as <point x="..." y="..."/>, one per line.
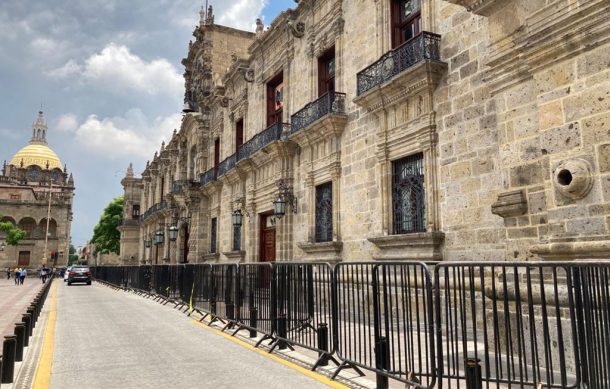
<point x="43" y="274"/>
<point x="24" y="274"/>
<point x="8" y="273"/>
<point x="17" y="275"/>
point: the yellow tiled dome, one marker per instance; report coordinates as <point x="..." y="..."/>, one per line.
<point x="37" y="154"/>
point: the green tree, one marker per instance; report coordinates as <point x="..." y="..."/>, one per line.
<point x="106" y="237"/>
<point x="72" y="249"/>
<point x="13" y="234"/>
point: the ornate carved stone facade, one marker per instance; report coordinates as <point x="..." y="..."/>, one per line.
<point x="33" y="185"/>
<point x="428" y="130"/>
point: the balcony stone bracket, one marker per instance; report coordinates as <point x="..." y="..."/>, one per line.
<point x="480" y="7"/>
<point x="573" y="249"/>
<point x="323" y="251"/>
<point x="331" y="125"/>
<point x="510" y="204"/>
<point x="424" y="76"/>
<point x="422" y="246"/>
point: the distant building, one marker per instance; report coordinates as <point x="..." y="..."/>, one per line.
<point x="32" y="180"/>
<point x="390" y="130"/>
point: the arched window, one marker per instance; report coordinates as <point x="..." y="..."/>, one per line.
<point x="192" y="163"/>
<point x="28" y="225"/>
<point x="52" y="227"/>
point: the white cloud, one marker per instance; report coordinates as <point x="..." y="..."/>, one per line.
<point x="242" y="13"/>
<point x="117" y="68"/>
<point x="67" y="123"/>
<point x="70" y="68"/>
<point x="131" y="135"/>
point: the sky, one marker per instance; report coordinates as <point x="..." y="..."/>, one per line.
<point x="108" y="76"/>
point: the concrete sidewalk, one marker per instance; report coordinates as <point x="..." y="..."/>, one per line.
<point x="14" y="300"/>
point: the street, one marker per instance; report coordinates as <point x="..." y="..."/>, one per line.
<point x="110" y="339"/>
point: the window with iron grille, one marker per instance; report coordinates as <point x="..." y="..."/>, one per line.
<point x="236" y="238"/>
<point x="408" y="195"/>
<point x="324" y="212"/>
<point x="213" y="236"/>
<point x="135" y="211"/>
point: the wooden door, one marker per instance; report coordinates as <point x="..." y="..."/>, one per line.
<point x="267" y="253"/>
<point x="24" y="259"/>
<point x="186" y="244"/>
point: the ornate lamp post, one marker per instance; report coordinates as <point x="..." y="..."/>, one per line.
<point x="286" y="197"/>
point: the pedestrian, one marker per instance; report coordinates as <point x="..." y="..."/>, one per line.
<point x="8" y="273"/>
<point x="42" y="274"/>
<point x="24" y="274"/>
<point x="17" y="275"/>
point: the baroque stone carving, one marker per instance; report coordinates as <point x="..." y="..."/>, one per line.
<point x="573" y="178"/>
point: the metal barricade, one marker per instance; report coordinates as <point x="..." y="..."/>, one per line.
<point x="515" y="323"/>
<point x="202" y="290"/>
<point x="255" y="293"/>
<point x="385" y="321"/>
<point x="304" y="307"/>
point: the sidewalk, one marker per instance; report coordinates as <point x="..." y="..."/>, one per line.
<point x="14" y="301"/>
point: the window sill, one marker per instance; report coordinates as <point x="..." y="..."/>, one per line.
<point x="236" y="255"/>
<point x="422" y="246"/>
<point x="323" y="251"/>
<point x="211" y="257"/>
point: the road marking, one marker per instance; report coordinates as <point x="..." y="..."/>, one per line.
<point x="42" y="379"/>
<point x="316" y="376"/>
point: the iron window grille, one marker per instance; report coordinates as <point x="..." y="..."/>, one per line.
<point x="408" y="195"/>
<point x="236" y="238"/>
<point x="213" y="236"/>
<point x="324" y="212"/>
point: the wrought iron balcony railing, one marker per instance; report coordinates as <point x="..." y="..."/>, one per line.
<point x="207" y="177"/>
<point x="226" y="165"/>
<point x="181" y="185"/>
<point x="331" y="102"/>
<point x="425" y="46"/>
<point x="154" y="209"/>
<point x="262" y="139"/>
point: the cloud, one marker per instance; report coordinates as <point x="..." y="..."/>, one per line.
<point x="118" y="69"/>
<point x="130" y="135"/>
<point x="67" y="123"/>
<point x="242" y="14"/>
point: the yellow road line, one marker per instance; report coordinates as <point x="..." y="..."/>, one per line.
<point x="42" y="379"/>
<point x="316" y="376"/>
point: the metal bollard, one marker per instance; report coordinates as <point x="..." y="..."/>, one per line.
<point x="27" y="319"/>
<point x="32" y="312"/>
<point x="474" y="378"/>
<point x="253" y="316"/>
<point x="230" y="311"/>
<point x="20" y="334"/>
<point x="281" y="331"/>
<point x="323" y="343"/>
<point x="8" y="359"/>
<point x="382" y="356"/>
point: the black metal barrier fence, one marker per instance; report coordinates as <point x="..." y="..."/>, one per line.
<point x="453" y="324"/>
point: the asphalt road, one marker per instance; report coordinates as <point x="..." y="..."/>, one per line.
<point x="111" y="339"/>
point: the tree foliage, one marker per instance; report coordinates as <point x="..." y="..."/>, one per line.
<point x="106" y="237"/>
<point x="13" y="234"/>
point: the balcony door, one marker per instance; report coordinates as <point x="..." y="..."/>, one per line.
<point x="275" y="99"/>
<point x="406" y="21"/>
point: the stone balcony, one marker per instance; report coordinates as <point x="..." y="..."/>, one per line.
<point x="480" y="7"/>
<point x="317" y="120"/>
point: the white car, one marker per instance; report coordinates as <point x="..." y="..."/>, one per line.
<point x="68" y="270"/>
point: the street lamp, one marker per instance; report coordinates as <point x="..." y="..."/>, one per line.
<point x="237" y="218"/>
<point x="286" y="197"/>
<point x="159" y="237"/>
<point x="147" y="242"/>
<point x="173" y="233"/>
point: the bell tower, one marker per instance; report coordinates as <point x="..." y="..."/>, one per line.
<point x="39" y="130"/>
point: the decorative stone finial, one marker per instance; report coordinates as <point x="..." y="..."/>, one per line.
<point x="201" y="16"/>
<point x="130" y="171"/>
<point x="162" y="146"/>
<point x="210" y="17"/>
<point x="260" y="27"/>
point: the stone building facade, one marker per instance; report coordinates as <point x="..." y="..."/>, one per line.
<point x="389" y="129"/>
<point x="34" y="186"/>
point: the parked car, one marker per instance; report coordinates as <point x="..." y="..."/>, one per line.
<point x="68" y="270"/>
<point x="79" y="274"/>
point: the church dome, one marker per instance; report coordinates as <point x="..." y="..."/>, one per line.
<point x="37" y="154"/>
